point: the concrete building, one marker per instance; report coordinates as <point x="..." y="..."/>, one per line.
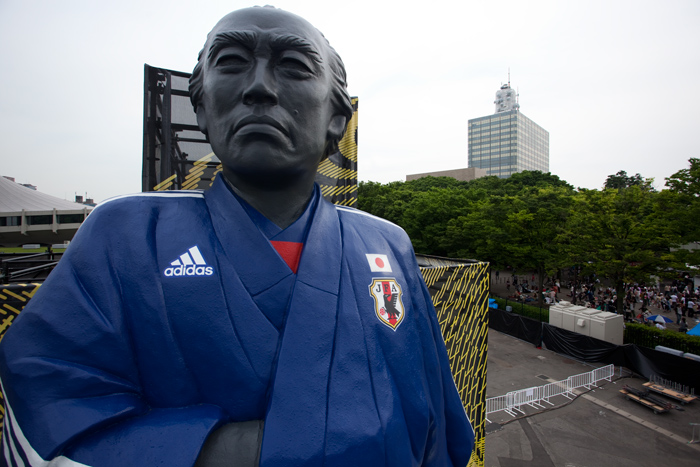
<point x="28" y="216"/>
<point x="507" y="142"/>
<point x="464" y="175"/>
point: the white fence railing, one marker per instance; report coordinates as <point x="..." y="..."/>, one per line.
<point x="512" y="402"/>
<point x="558" y="388"/>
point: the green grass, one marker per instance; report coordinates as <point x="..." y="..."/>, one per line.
<point x="23" y="250"/>
<point x="534" y="312"/>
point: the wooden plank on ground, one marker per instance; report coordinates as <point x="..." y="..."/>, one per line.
<point x="655" y="407"/>
<point x="677" y="395"/>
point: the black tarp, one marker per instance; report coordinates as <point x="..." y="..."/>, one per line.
<point x="648" y="362"/>
<point x="578" y="346"/>
<point x="640" y="360"/>
<point x="514" y="325"/>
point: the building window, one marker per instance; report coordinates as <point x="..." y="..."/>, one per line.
<point x="40" y="220"/>
<point x="10" y="221"/>
<point x="70" y="218"/>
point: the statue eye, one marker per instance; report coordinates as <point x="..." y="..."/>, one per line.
<point x="231" y="60"/>
<point x="296" y="67"/>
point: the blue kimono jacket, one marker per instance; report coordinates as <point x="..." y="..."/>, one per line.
<point x="171" y="314"/>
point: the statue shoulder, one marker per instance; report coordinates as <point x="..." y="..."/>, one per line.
<point x="137" y="211"/>
<point x="150" y="198"/>
<point x="362" y="221"/>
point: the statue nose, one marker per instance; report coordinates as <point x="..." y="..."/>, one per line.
<point x="261" y="88"/>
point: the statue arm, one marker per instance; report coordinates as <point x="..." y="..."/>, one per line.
<point x="233" y="444"/>
<point x="71" y="381"/>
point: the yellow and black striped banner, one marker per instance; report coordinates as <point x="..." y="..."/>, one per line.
<point x="459" y="290"/>
<point x="13" y="298"/>
<point x="337" y="175"/>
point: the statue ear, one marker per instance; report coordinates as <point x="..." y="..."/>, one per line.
<point x="336" y="128"/>
<point x="202" y="119"/>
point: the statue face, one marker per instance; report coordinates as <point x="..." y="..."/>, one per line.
<point x="266" y="96"/>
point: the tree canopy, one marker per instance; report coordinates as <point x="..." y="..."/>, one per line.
<point x="620" y="234"/>
<point x="682" y="206"/>
<point x="536" y="221"/>
<point x="621" y="180"/>
<point x="686" y="181"/>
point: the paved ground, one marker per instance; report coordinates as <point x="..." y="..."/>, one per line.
<point x="597" y="429"/>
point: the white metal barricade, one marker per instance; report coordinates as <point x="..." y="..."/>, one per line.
<point x="512" y="402"/>
<point x="529" y="396"/>
<point x="495" y="404"/>
<point x="558" y="388"/>
<point x="584" y="380"/>
<point x="605" y="372"/>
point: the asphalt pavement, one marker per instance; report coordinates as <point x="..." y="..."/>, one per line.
<point x="598" y="428"/>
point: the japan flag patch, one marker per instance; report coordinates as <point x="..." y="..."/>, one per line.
<point x="378" y="263"/>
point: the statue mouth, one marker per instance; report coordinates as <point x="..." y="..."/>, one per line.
<point x="256" y="124"/>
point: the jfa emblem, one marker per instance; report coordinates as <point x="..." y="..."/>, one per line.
<point x="387" y="301"/>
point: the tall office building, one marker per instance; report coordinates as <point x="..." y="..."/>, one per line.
<point x="507" y="142"/>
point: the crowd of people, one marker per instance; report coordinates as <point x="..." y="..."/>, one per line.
<point x="525" y="289"/>
<point x="677" y="300"/>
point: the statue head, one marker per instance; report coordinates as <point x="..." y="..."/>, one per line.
<point x="270" y="93"/>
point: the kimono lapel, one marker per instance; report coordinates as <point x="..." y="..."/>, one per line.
<point x="262" y="271"/>
<point x="259" y="266"/>
<point x="295" y="425"/>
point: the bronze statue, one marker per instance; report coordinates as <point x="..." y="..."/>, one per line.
<point x="261" y="90"/>
<point x="253" y="324"/>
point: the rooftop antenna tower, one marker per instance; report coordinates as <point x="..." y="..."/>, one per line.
<point x="506" y="98"/>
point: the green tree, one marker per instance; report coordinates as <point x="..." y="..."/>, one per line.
<point x="476" y="233"/>
<point x="386" y="201"/>
<point x="533" y="225"/>
<point x="427" y="217"/>
<point x="422" y="207"/>
<point x="621" y="180"/>
<point x="682" y="204"/>
<point x="429" y="183"/>
<point x="518" y="224"/>
<point x="473" y="219"/>
<point x="533" y="178"/>
<point x="620" y="234"/>
<point x="686" y="181"/>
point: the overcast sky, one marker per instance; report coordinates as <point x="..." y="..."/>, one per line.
<point x="612" y="81"/>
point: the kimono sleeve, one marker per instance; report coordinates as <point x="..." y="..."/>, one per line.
<point x="452" y="439"/>
<point x="70" y="377"/>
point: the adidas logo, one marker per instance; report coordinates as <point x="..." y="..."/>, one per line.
<point x="190" y="263"/>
